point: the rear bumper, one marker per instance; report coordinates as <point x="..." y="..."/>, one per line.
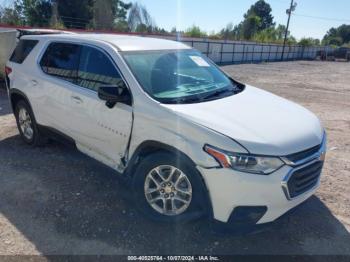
<point x="238" y="197"/>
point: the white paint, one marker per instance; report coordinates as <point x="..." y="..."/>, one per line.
<point x="260" y="122"/>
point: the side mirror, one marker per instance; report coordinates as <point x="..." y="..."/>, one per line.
<point x="113" y="95"/>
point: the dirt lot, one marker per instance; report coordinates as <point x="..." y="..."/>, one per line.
<point x="54" y="200"/>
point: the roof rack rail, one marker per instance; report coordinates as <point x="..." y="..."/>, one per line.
<point x="23" y="32"/>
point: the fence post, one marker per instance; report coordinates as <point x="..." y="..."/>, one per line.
<point x="208" y="48"/>
<point x="233" y="52"/>
<point x="302" y="52"/>
<point x="268" y="59"/>
<point x="253" y="53"/>
<point x="243" y="55"/>
<point x="261" y="55"/>
<point x="222" y="49"/>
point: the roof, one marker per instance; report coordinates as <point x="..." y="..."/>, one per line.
<point x="124" y="42"/>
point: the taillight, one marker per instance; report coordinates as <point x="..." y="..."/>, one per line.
<point x="8" y="70"/>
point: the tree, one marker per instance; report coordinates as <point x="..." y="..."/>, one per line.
<point x="273" y="35"/>
<point x="257" y="19"/>
<point x="140" y="20"/>
<point x="228" y="32"/>
<point x="309" y="41"/>
<point x="76" y="14"/>
<point x="337" y="36"/>
<point x="103" y="14"/>
<point x="262" y="10"/>
<point x="250" y="27"/>
<point x="195" y="31"/>
<point x="36" y="12"/>
<point x="120" y="10"/>
<point x="280" y="31"/>
<point x="12" y="15"/>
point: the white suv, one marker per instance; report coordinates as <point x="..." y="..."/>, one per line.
<point x="192" y="140"/>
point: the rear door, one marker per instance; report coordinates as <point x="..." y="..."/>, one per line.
<point x="100" y="131"/>
<point x="59" y="65"/>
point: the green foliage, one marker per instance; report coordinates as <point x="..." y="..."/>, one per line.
<point x="262" y="10"/>
<point x="76" y="14"/>
<point x="337" y="36"/>
<point x="195" y="31"/>
<point x="309" y="41"/>
<point x="12" y="15"/>
<point x="57" y="24"/>
<point x="103" y="14"/>
<point x="139" y="19"/>
<point x="121" y="26"/>
<point x="274" y="35"/>
<point x="291" y="40"/>
<point x="110" y="14"/>
<point x="257" y="19"/>
<point x="120" y="9"/>
<point x="36" y="12"/>
<point x="268" y="35"/>
<point x="250" y="27"/>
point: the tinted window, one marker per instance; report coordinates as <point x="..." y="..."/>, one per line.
<point x="23" y="48"/>
<point x="61" y="60"/>
<point x="96" y="70"/>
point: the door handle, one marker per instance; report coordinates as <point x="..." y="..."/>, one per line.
<point x="77" y="99"/>
<point x="34" y="82"/>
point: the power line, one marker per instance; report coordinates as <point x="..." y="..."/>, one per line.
<point x="74" y="18"/>
<point x="322" y="18"/>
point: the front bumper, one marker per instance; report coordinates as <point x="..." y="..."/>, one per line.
<point x="230" y="190"/>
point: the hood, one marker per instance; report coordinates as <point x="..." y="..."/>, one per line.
<point x="260" y="121"/>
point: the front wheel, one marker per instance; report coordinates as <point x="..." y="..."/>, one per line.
<point x="168" y="188"/>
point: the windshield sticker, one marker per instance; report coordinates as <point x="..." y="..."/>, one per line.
<point x="200" y="61"/>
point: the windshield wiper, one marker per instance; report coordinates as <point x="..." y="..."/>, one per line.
<point x="218" y="93"/>
<point x="193" y="78"/>
<point x="183" y="100"/>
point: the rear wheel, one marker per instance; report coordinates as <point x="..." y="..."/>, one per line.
<point x="26" y="124"/>
<point x="168" y="188"/>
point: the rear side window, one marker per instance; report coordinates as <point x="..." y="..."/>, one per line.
<point x="61" y="60"/>
<point x="23" y="49"/>
<point x="96" y="70"/>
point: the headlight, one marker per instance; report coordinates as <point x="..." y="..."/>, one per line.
<point x="262" y="165"/>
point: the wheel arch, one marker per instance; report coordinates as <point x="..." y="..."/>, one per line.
<point x="149" y="147"/>
<point x="17" y="95"/>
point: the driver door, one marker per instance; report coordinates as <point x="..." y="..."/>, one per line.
<point x="100" y="131"/>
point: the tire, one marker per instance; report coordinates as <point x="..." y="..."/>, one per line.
<point x="197" y="206"/>
<point x="27" y="125"/>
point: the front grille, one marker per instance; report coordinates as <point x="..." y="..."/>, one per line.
<point x="304" y="179"/>
<point x="303" y="154"/>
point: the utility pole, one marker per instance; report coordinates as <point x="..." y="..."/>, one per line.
<point x="289" y="13"/>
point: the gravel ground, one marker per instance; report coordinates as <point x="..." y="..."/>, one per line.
<point x="54" y="200"/>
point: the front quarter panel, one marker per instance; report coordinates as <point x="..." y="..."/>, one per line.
<point x="156" y="123"/>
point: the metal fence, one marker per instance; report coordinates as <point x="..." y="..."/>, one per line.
<point x="250" y="52"/>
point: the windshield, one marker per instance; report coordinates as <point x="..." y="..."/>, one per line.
<point x="179" y="76"/>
